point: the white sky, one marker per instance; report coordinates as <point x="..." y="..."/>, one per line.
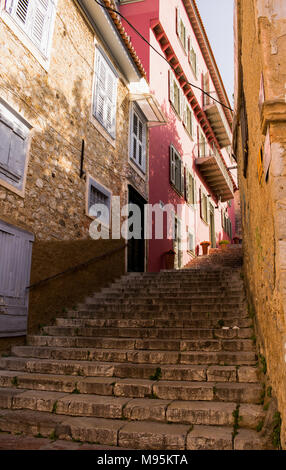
<point x="217" y="16"/>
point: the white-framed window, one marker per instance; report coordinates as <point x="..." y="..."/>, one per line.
<point x="192" y="57"/>
<point x="191" y="191"/>
<point x="14" y="137"/>
<point x="188" y="119"/>
<point x="138" y="138"/>
<point x="98" y="194"/>
<point x="181" y="29"/>
<point x="177" y="177"/>
<point x="204" y="206"/>
<point x="105" y="93"/>
<point x="191" y="242"/>
<point x="36" y="20"/>
<point x="176" y="95"/>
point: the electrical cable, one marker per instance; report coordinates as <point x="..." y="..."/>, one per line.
<point x="157" y="52"/>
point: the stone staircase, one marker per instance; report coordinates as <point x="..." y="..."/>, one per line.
<point x="155" y="361"/>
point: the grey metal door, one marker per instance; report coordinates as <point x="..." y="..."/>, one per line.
<point x="15" y="269"/>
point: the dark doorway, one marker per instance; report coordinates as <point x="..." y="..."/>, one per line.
<point x="136" y="248"/>
<point x="212" y="227"/>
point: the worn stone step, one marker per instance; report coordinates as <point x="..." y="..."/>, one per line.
<point x="198" y="333"/>
<point x="134" y="435"/>
<point x="179" y="297"/>
<point x="140" y="356"/>
<point x="158" y="323"/>
<point x="101" y="369"/>
<point x="227" y="338"/>
<point x="213" y="290"/>
<point x="135" y="388"/>
<point x="212" y="305"/>
<point x="214" y="413"/>
<point x="210" y="438"/>
<point x="224" y="340"/>
<point x="251" y="440"/>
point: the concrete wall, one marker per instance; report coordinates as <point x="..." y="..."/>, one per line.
<point x="261" y="51"/>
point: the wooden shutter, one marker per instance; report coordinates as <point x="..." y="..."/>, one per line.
<point x="35" y="18"/>
<point x="185" y="113"/>
<point x="172" y="166"/>
<point x="171" y="87"/>
<point x="41" y="23"/>
<point x="178" y="21"/>
<point x="182" y="185"/>
<point x="13" y="150"/>
<point x="105" y="94"/>
<point x="182" y="103"/>
<point x="187" y="186"/>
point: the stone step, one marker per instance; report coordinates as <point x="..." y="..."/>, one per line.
<point x="211" y="304"/>
<point x="106" y="339"/>
<point x="149" y="333"/>
<point x="158" y="323"/>
<point x="163" y="290"/>
<point x="198" y="333"/>
<point x="182" y="295"/>
<point x="196" y="357"/>
<point x="160" y="313"/>
<point x="212" y="345"/>
<point x="178" y="372"/>
<point x="132" y="435"/>
<point x="135" y="409"/>
<point x="135" y="388"/>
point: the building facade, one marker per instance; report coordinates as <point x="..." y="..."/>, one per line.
<point x="260" y="147"/>
<point x="72" y="135"/>
<point x="190" y="157"/>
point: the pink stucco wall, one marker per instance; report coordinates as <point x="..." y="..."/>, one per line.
<point x="142" y="15"/>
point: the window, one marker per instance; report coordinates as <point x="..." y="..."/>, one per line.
<point x="192" y="57"/>
<point x="105" y="93"/>
<point x="191" y="242"/>
<point x="204" y="207"/>
<point x="188" y="119"/>
<point x="176" y="170"/>
<point x="206" y="88"/>
<point x="226" y="224"/>
<point x="181" y="29"/>
<point x="98" y="194"/>
<point x="138" y="139"/>
<point x="35" y="18"/>
<point x="203" y="146"/>
<point x="190" y="188"/>
<point x="14" y="133"/>
<point x="175" y="94"/>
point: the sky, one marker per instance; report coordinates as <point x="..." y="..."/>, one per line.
<point x="217" y="16"/>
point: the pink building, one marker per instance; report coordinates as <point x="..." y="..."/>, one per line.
<point x="190" y="156"/>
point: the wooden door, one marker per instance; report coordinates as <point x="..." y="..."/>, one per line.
<point x="15" y="268"/>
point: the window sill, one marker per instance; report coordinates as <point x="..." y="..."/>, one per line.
<point x="10" y="187"/>
<point x="177" y="191"/>
<point x="99" y="127"/>
<point x="25" y="40"/>
<point x="137" y="168"/>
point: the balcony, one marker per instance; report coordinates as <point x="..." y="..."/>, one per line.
<point x="213" y="170"/>
<point x="218" y="121"/>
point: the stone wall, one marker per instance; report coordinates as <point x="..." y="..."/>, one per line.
<point x="57" y="103"/>
<point x="262" y="205"/>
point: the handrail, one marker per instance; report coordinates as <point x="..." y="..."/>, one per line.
<point x="78" y="266"/>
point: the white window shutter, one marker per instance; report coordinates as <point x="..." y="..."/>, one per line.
<point x="111" y="98"/>
<point x="182" y="185"/>
<point x="172" y="166"/>
<point x="186" y="112"/>
<point x="182" y="103"/>
<point x="178" y="21"/>
<point x="41" y="23"/>
<point x="171" y="87"/>
<point x="187" y="185"/>
<point x="144" y="145"/>
<point x="21" y="10"/>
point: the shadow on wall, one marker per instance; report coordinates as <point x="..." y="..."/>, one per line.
<point x="54" y="204"/>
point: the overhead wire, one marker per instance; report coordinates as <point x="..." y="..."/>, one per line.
<point x="157" y="52"/>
